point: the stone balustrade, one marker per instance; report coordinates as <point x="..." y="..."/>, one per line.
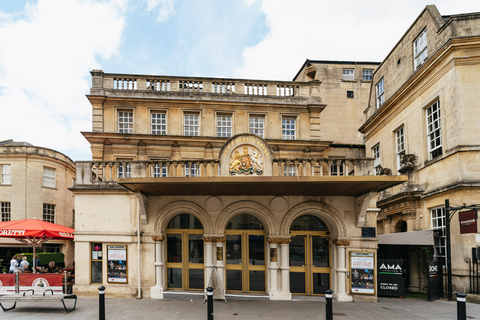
<point x="121" y="84"/>
<point x="101" y="172"/>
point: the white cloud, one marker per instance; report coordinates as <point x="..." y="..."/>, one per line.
<point x="44" y="61"/>
<point x="332" y="30"/>
<point x="165" y="9"/>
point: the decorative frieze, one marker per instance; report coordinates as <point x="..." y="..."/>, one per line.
<point x="279" y="240"/>
<point x="158" y="238"/>
<point x="214" y="239"/>
<point x="341" y="242"/>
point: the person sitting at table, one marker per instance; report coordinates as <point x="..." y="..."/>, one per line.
<point x="24" y="265"/>
<point x="37" y="261"/>
<point x="51" y="267"/>
<point x="13" y="264"/>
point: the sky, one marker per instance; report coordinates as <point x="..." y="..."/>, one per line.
<point x="49" y="47"/>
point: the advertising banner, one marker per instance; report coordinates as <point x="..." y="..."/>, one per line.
<point x="117" y="264"/>
<point x="468" y="221"/>
<point x="391" y="282"/>
<point x="40" y="282"/>
<point x="7" y="283"/>
<point x="362" y="270"/>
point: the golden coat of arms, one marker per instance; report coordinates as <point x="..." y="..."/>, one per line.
<point x="249" y="162"/>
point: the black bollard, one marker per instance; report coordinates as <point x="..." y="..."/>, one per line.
<point x="461" y="306"/>
<point x="101" y="302"/>
<point x="209" y="303"/>
<point x="329" y="306"/>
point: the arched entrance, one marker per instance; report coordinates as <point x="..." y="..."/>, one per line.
<point x="245" y="254"/>
<point x="309" y="256"/>
<point x="185" y="262"/>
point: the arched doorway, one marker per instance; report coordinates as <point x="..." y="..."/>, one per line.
<point x="185" y="261"/>
<point x="309" y="256"/>
<point x="245" y="254"/>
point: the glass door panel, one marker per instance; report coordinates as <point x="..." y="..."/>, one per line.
<point x="195" y="248"/>
<point x="297" y="251"/>
<point x="174" y="278"/>
<point x="256" y="252"/>
<point x="297" y="282"/>
<point x="320" y="252"/>
<point x="234" y="249"/>
<point x="174" y="247"/>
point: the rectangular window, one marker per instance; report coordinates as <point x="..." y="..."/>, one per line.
<point x="125" y="121"/>
<point x="367" y="74"/>
<point x="337" y="170"/>
<point x="5" y="174"/>
<point x="5" y="209"/>
<point x="257" y="125"/>
<point x="347" y="74"/>
<point x="420" y="49"/>
<point x="224" y="125"/>
<point x="400" y="144"/>
<point x="350" y="94"/>
<point x="160" y="171"/>
<point x="96" y="263"/>
<point x="289" y="170"/>
<point x="191" y="124"/>
<point x="379" y="90"/>
<point x="159" y="123"/>
<point x="438" y="224"/>
<point x="192" y="170"/>
<point x="288" y="128"/>
<point x="124" y="170"/>
<point x="434" y="134"/>
<point x="376" y="159"/>
<point x="48" y="177"/>
<point x="49" y="213"/>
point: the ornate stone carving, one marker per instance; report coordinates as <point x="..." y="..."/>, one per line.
<point x="250" y="207"/>
<point x="158" y="238"/>
<point x="177" y="207"/>
<point x="214" y="239"/>
<point x="273" y="255"/>
<point x="279" y="240"/>
<point x="341" y="242"/>
<point x="246" y="160"/>
<point x="407" y="162"/>
<point x="219" y="253"/>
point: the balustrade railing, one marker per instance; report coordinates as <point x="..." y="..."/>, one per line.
<point x="139" y="83"/>
<point x="102" y="172"/>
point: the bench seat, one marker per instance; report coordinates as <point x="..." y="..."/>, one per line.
<point x="44" y="297"/>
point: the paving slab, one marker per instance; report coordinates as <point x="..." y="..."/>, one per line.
<point x="242" y="309"/>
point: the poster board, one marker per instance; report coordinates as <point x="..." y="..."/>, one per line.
<point x="117" y="264"/>
<point x="362" y="272"/>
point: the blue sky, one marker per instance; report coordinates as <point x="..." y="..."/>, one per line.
<point x="48" y="47"/>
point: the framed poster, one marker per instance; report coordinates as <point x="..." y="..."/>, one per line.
<point x="117" y="264"/>
<point x="362" y="271"/>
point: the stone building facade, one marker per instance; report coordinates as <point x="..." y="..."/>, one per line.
<point x="34" y="183"/>
<point x="422" y="121"/>
<point x="223" y="182"/>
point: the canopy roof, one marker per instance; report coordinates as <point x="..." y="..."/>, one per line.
<point x="34" y="228"/>
<point x="413" y="238"/>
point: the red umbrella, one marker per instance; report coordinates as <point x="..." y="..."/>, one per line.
<point x="34" y="232"/>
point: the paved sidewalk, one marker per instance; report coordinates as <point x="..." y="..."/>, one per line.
<point x="173" y="309"/>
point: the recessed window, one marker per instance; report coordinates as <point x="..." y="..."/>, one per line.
<point x="191" y="124"/>
<point x="376" y="159"/>
<point x="48" y="177"/>
<point x="420" y="49"/>
<point x="434" y="133"/>
<point x="5" y="209"/>
<point x="367" y="74"/>
<point x="379" y="91"/>
<point x="347" y="74"/>
<point x="125" y="121"/>
<point x="350" y="95"/>
<point x="224" y="125"/>
<point x="288" y="128"/>
<point x="159" y="123"/>
<point x="438" y="224"/>
<point x="192" y="170"/>
<point x="160" y="171"/>
<point x="49" y="213"/>
<point x="400" y="144"/>
<point x="337" y="169"/>
<point x="5" y="174"/>
<point x="124" y="170"/>
<point x="257" y="125"/>
<point x="289" y="170"/>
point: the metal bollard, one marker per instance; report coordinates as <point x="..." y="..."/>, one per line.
<point x="329" y="306"/>
<point x="101" y="302"/>
<point x="209" y="303"/>
<point x="461" y="306"/>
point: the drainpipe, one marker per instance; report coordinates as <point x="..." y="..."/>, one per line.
<point x="138" y="264"/>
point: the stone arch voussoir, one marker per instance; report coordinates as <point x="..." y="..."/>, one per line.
<point x="178" y="207"/>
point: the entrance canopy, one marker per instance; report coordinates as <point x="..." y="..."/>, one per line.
<point x="418" y="238"/>
<point x="262" y="185"/>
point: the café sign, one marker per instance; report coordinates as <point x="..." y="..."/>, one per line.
<point x="468" y="221"/>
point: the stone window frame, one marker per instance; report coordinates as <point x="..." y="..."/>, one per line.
<point x="377" y="160"/>
<point x="158" y="126"/>
<point x="158" y="172"/>
<point x="348" y="74"/>
<point x="224" y="125"/>
<point x="254" y="129"/>
<point x="6" y="211"/>
<point x="290" y="170"/>
<point x="400" y="147"/>
<point x="434" y="130"/>
<point x="49" y="212"/>
<point x="438" y="222"/>
<point x="5" y="174"/>
<point x="289" y="133"/>
<point x="380" y="93"/>
<point x="367" y="74"/>
<point x="193" y="171"/>
<point x="420" y="49"/>
<point x="49" y="177"/>
<point x="191" y="129"/>
<point x="125" y="120"/>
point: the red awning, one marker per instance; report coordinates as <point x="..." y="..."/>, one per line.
<point x="34" y="228"/>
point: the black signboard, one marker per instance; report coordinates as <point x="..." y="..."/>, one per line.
<point x="391" y="278"/>
<point x="434" y="283"/>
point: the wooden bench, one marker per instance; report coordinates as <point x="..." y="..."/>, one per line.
<point x="23" y="297"/>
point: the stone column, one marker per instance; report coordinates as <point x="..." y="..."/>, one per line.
<point x="220" y="249"/>
<point x="157" y="291"/>
<point x="285" y="294"/>
<point x="209" y="262"/>
<point x="341" y="270"/>
<point x="273" y="267"/>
